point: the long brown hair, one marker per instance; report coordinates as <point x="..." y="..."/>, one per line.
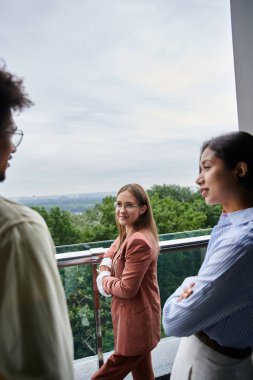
<point x="145" y="220"/>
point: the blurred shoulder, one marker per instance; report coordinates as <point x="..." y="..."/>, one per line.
<point x="12" y="213"/>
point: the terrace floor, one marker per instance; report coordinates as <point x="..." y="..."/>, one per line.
<point x="162" y="356"/>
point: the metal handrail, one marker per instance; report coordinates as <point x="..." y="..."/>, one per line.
<point x="93" y="257"/>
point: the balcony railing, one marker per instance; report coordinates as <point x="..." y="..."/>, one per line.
<point x="181" y="252"/>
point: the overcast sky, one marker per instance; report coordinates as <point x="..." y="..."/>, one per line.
<point x="124" y="90"/>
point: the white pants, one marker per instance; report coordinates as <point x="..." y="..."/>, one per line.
<point x="196" y="361"/>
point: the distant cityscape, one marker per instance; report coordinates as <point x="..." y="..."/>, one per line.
<point x="74" y="203"/>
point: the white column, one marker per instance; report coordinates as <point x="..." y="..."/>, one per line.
<point x="242" y="33"/>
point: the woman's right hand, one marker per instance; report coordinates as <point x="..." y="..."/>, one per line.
<point x="187" y="291"/>
<point x="105" y="265"/>
<point x="103" y="268"/>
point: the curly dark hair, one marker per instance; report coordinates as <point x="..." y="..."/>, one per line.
<point x="13" y="96"/>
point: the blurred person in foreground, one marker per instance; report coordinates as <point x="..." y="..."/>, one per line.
<point x="35" y="334"/>
<point x="128" y="273"/>
<point x="214" y="311"/>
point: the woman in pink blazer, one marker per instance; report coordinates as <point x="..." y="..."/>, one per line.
<point x="128" y="273"/>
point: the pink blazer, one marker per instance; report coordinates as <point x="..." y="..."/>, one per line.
<point x="135" y="294"/>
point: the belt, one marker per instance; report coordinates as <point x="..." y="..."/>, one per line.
<point x="232" y="352"/>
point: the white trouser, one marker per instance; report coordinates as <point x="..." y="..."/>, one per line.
<point x="196" y="361"/>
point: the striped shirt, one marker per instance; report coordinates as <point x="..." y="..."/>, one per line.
<point x="222" y="301"/>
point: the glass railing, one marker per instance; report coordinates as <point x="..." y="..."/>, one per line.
<point x="185" y="234"/>
<point x="107" y="243"/>
<point x="77" y="282"/>
<point x="181" y="256"/>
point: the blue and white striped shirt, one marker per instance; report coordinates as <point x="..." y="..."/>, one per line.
<point x="222" y="301"/>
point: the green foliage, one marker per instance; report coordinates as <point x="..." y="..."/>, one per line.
<point x="212" y="213"/>
<point x="173" y="216"/>
<point x="61" y="226"/>
<point x="176" y="192"/>
<point x="98" y="223"/>
<point x="77" y="282"/>
<point x="174" y="267"/>
<point x="175" y="209"/>
<point x="178" y="208"/>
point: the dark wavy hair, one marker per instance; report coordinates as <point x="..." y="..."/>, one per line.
<point x="233" y="148"/>
<point x="13" y="96"/>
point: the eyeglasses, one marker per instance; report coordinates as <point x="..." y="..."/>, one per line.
<point x="16" y="137"/>
<point x="127" y="206"/>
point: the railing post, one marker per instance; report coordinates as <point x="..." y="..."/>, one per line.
<point x="97" y="315"/>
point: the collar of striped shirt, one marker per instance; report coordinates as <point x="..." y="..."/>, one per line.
<point x="239" y="217"/>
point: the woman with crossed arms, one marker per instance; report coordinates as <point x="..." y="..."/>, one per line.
<point x="214" y="311"/>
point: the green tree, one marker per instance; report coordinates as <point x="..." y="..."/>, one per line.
<point x="176" y="192"/>
<point x="98" y="223"/>
<point x="174" y="216"/>
<point x="212" y="213"/>
<point x="61" y="226"/>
